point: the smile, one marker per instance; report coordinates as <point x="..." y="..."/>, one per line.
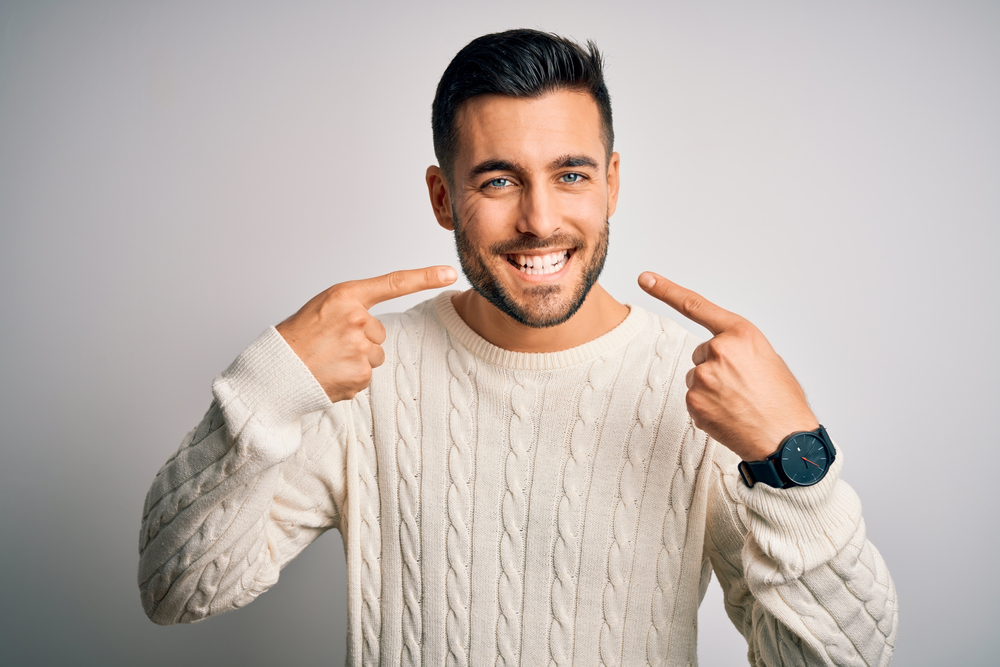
<point x="539" y="265"/>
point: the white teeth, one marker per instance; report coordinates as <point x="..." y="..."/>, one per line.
<point x="537" y="265"/>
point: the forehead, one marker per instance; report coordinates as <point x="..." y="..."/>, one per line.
<point x="528" y="130"/>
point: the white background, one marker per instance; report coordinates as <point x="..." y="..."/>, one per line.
<point x="175" y="177"/>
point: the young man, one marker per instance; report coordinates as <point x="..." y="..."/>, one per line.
<point x="529" y="472"/>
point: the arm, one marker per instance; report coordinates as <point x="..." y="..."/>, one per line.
<point x="801" y="582"/>
<point x="264" y="473"/>
<point x="258" y="480"/>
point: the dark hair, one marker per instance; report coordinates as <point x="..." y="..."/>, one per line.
<point x="516" y="63"/>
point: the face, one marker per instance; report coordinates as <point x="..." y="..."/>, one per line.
<point x="530" y="202"/>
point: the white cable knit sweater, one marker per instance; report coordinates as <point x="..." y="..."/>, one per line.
<point x="503" y="508"/>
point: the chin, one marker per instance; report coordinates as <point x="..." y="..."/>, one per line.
<point x="543" y="306"/>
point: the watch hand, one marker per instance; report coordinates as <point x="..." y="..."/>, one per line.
<point x="808" y="461"/>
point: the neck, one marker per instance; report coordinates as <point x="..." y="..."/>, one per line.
<point x="599" y="314"/>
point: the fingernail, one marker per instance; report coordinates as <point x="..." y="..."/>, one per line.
<point x="647" y="280"/>
<point x="447" y="274"/>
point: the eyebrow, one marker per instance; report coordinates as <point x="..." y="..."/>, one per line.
<point x="487" y="166"/>
<point x="562" y="162"/>
<point x="573" y="161"/>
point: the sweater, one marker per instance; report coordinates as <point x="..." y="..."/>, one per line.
<point x="503" y="508"/>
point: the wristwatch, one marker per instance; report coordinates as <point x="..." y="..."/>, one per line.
<point x="802" y="459"/>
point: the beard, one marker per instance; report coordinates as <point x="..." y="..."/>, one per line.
<point x="543" y="305"/>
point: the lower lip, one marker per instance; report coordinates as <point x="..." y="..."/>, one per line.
<point x="542" y="278"/>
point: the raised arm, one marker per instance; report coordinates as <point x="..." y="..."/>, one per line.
<point x="802" y="583"/>
<point x="263" y="474"/>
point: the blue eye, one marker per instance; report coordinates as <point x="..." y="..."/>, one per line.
<point x="571" y="178"/>
<point x="499" y="183"/>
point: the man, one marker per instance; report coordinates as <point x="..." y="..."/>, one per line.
<point x="529" y="472"/>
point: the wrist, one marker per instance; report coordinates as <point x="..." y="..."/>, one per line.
<point x="774" y="437"/>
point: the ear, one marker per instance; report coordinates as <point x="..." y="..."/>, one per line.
<point x="613" y="183"/>
<point x="437" y="188"/>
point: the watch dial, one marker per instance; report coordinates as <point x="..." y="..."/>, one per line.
<point x="804" y="459"/>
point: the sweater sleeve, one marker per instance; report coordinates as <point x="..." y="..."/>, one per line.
<point x="801" y="582"/>
<point x="259" y="479"/>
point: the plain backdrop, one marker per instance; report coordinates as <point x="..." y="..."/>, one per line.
<point x="175" y="177"/>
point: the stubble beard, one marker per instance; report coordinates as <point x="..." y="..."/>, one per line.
<point x="549" y="310"/>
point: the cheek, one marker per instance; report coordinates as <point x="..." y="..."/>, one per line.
<point x="487" y="220"/>
<point x="588" y="208"/>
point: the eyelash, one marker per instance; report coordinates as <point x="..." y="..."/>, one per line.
<point x="490" y="184"/>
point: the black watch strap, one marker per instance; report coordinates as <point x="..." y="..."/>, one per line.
<point x="768" y="471"/>
<point x="764" y="472"/>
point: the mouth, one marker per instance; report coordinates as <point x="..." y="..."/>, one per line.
<point x="539" y="265"/>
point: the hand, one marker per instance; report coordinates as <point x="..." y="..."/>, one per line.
<point x="336" y="337"/>
<point x="740" y="391"/>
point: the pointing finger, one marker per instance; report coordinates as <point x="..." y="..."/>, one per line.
<point x="689" y="304"/>
<point x="401" y="283"/>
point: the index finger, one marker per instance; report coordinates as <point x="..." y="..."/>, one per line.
<point x="400" y="283"/>
<point x="689" y="304"/>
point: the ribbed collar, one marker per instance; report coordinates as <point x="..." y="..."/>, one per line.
<point x="636" y="319"/>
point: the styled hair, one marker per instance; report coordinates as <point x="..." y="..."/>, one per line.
<point x="516" y="63"/>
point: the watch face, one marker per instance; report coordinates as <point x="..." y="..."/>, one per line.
<point x="804" y="459"/>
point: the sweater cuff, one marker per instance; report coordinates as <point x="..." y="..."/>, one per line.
<point x="274" y="386"/>
<point x="811" y="520"/>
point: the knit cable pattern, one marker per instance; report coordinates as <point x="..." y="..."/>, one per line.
<point x="855" y="634"/>
<point x="371" y="532"/>
<point x="592" y="407"/>
<point x="670" y="558"/>
<point x="631" y="484"/>
<point x="514" y="507"/>
<point x="407" y="378"/>
<point x="461" y="427"/>
<point x="199" y="463"/>
<point x="203" y="542"/>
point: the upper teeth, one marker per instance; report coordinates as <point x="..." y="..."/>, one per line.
<point x="540" y="264"/>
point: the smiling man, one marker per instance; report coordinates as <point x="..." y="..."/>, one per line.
<point x="528" y="195"/>
<point x="528" y="472"/>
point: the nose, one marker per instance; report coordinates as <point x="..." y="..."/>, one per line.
<point x="538" y="213"/>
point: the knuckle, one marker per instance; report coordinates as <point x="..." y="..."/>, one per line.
<point x="702" y="375"/>
<point x="395" y="281"/>
<point x="357" y="345"/>
<point x="720" y="347"/>
<point x="356" y="319"/>
<point x="706" y="376"/>
<point x="743" y="329"/>
<point x="336" y="292"/>
<point x="691" y="303"/>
